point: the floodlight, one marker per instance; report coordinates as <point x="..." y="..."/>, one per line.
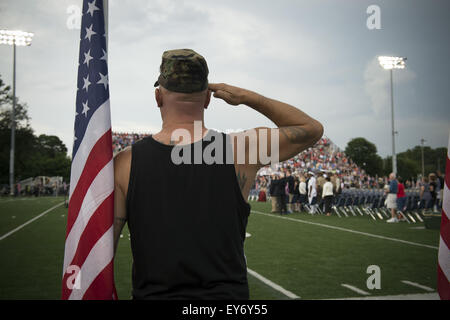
<point x="392" y="62"/>
<point x="17" y="37"/>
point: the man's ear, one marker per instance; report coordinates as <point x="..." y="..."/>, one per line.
<point x="158" y="97"/>
<point x="208" y="99"/>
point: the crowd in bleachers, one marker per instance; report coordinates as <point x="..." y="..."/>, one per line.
<point x="122" y="140"/>
<point x="326" y="157"/>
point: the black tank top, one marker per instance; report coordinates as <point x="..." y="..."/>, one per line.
<point x="187" y="224"/>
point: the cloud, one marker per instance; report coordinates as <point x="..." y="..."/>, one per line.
<point x="160" y="23"/>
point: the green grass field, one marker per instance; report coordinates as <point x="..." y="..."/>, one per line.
<point x="310" y="256"/>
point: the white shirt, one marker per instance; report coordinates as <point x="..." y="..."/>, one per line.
<point x="312" y="187"/>
<point x="302" y="187"/>
<point x="327" y="189"/>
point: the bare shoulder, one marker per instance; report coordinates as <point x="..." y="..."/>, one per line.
<point x="123" y="155"/>
<point x="122" y="167"/>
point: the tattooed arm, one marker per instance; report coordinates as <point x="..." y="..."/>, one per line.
<point x="296" y="130"/>
<point x="245" y="176"/>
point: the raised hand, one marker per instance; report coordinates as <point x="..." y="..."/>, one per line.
<point x="231" y="95"/>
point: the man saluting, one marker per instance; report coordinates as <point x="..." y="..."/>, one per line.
<point x="187" y="221"/>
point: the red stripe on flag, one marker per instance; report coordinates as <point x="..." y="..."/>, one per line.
<point x="443" y="285"/>
<point x="102" y="285"/>
<point x="97" y="159"/>
<point x="447" y="175"/>
<point x="99" y="223"/>
<point x="445" y="229"/>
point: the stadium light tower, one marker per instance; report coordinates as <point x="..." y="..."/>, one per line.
<point x="422" y="141"/>
<point x="390" y="63"/>
<point x="14" y="38"/>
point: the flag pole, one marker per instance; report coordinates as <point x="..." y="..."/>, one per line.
<point x="106" y="15"/>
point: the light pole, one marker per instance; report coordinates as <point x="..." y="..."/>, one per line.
<point x="422" y="141"/>
<point x="390" y="63"/>
<point x="14" y="38"/>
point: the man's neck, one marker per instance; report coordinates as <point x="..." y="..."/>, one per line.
<point x="174" y="132"/>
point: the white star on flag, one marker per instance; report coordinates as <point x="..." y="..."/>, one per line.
<point x="87" y="57"/>
<point x="85" y="108"/>
<point x="89" y="33"/>
<point x="92" y="8"/>
<point x="104" y="57"/>
<point x="103" y="79"/>
<point x="87" y="83"/>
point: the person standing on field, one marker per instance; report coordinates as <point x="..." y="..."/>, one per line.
<point x="274" y="197"/>
<point x="401" y="199"/>
<point x="189" y="244"/>
<point x="303" y="193"/>
<point x="391" y="199"/>
<point x="291" y="190"/>
<point x="327" y="195"/>
<point x="282" y="195"/>
<point x="312" y="193"/>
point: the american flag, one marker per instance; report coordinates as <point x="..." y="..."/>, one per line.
<point x="444" y="243"/>
<point x="88" y="256"/>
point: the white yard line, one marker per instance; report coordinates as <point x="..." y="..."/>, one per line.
<point x="355" y="289"/>
<point x="30" y="221"/>
<point x="417" y="285"/>
<point x="349" y="230"/>
<point x="422" y="296"/>
<point x="273" y="285"/>
<point x="18" y="199"/>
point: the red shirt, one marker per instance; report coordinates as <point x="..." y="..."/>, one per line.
<point x="401" y="190"/>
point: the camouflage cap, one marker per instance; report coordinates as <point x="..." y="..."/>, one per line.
<point x="183" y="70"/>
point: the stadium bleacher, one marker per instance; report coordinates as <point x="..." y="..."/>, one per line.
<point x="121" y="140"/>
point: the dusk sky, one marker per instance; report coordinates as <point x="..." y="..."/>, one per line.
<point x="319" y="56"/>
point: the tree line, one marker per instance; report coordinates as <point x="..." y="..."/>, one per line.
<point x="35" y="155"/>
<point x="409" y="163"/>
